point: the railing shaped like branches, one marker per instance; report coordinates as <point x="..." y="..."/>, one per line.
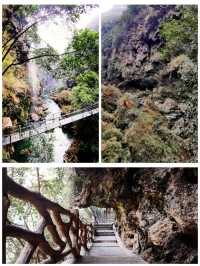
<point x="68" y="237"/>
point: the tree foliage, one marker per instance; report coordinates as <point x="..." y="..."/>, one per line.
<point x="14" y="32"/>
<point x="180" y="34"/>
<point x="86" y="91"/>
<point x="86" y="43"/>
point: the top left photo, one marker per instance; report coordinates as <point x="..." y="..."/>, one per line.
<point x="50" y="95"/>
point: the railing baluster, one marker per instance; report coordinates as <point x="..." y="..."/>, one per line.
<point x="51" y="213"/>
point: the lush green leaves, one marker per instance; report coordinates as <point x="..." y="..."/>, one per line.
<point x="85" y="43"/>
<point x="180" y="34"/>
<point x="86" y="92"/>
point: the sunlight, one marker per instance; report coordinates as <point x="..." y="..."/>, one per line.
<point x="58" y="33"/>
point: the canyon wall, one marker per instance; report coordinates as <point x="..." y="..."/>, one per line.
<point x="156" y="209"/>
<point x="149" y="91"/>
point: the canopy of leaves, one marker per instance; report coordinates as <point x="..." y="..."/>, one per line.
<point x="86" y="43"/>
<point x="180" y="34"/>
<point x="86" y="92"/>
<point x="21" y="20"/>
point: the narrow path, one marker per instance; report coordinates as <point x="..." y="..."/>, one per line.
<point x="106" y="250"/>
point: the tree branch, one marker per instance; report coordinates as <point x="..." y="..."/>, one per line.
<point x="38" y="56"/>
<point x="16" y="38"/>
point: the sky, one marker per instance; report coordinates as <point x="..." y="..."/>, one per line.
<point x="58" y="34"/>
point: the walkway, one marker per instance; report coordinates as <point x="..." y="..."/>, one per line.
<point x="106" y="249"/>
<point x="45" y="125"/>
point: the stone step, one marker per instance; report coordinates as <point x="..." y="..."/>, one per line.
<point x="103" y="226"/>
<point x="105" y="239"/>
<point x="105" y="244"/>
<point x="104" y="233"/>
<point x="106" y="251"/>
<point x="109" y="260"/>
<point x="104" y="230"/>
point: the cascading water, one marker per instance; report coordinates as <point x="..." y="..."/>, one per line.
<point x="56" y="142"/>
<point x="61" y="141"/>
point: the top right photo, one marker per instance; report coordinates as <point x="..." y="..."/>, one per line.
<point x="149" y="83"/>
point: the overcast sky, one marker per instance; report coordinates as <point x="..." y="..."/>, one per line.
<point x="58" y="34"/>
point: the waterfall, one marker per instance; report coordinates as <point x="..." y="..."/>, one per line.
<point x="33" y="79"/>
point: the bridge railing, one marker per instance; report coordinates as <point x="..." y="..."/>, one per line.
<point x="68" y="232"/>
<point x="50" y="119"/>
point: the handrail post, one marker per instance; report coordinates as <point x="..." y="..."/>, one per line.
<point x="85" y="237"/>
<point x="75" y="233"/>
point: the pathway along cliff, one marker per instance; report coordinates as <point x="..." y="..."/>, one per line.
<point x="106" y="249"/>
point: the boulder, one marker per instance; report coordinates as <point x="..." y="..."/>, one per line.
<point x="35" y="117"/>
<point x="159" y="233"/>
<point x="7" y="122"/>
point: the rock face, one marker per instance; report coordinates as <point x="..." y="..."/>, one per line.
<point x="136" y="59"/>
<point x="161" y="126"/>
<point x="156" y="209"/>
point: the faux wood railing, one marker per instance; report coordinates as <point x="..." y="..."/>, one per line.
<point x="68" y="237"/>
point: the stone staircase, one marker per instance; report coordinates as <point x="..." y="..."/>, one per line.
<point x="106" y="249"/>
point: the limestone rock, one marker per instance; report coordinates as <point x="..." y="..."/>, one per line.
<point x="160" y="231"/>
<point x="35" y="117"/>
<point x="156" y="209"/>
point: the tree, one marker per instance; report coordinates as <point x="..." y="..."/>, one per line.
<point x="87" y="42"/>
<point x="86" y="92"/>
<point x="15" y="26"/>
<point x="180" y="34"/>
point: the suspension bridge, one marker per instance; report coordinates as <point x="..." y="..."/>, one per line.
<point x="56" y="120"/>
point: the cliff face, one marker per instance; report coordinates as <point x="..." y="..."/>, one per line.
<point x="134" y="56"/>
<point x="145" y="96"/>
<point x="156" y="209"/>
<point x="19" y="106"/>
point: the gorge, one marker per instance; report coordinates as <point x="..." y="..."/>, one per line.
<point x="149" y="83"/>
<point x="41" y="82"/>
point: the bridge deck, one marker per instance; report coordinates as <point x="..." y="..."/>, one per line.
<point x="106" y="250"/>
<point x="46" y="125"/>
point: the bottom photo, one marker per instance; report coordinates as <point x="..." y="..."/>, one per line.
<point x="100" y="215"/>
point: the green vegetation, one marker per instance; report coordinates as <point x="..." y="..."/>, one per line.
<point x="87" y="90"/>
<point x="85" y="43"/>
<point x="31" y="66"/>
<point x="156" y="124"/>
<point x="180" y="35"/>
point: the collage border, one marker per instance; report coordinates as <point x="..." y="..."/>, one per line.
<point x="100" y="164"/>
